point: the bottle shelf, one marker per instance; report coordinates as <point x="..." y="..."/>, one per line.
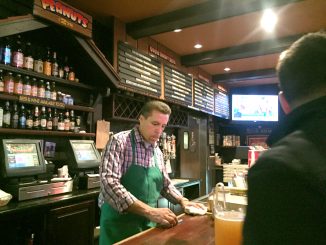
<point x="14" y="97"/>
<point x="45" y="77"/>
<point x="14" y="131"/>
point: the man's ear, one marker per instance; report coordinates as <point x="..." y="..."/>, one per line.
<point x="284" y="104"/>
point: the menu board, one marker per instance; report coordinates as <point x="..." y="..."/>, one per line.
<point x="177" y="86"/>
<point x="203" y="97"/>
<point x="222" y="108"/>
<point x="138" y="71"/>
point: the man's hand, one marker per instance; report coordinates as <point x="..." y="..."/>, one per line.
<point x="184" y="202"/>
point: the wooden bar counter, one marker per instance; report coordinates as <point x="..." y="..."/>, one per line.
<point x="191" y="230"/>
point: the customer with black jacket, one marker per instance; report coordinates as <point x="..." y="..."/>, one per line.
<point x="287" y="185"/>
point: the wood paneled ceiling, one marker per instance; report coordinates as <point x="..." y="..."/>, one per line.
<point x="229" y="31"/>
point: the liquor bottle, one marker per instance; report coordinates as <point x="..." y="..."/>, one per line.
<point x="9" y="83"/>
<point x="41" y="89"/>
<point x="28" y="57"/>
<point x="22" y="117"/>
<point x="2" y="48"/>
<point x="71" y="75"/>
<point x="14" y="116"/>
<point x="7" y="52"/>
<point x="55" y="119"/>
<point x="67" y="121"/>
<point x="72" y="121"/>
<point x="34" y="87"/>
<point x="49" y="121"/>
<point x="17" y="59"/>
<point x="38" y="62"/>
<point x="36" y="119"/>
<point x="27" y="88"/>
<point x="53" y="91"/>
<point x="6" y="115"/>
<point x="43" y="118"/>
<point x="29" y="120"/>
<point x="55" y="65"/>
<point x="61" y="124"/>
<point x="2" y="84"/>
<point x="18" y="86"/>
<point x="47" y="64"/>
<point x="66" y="68"/>
<point x="47" y="92"/>
<point x="61" y="71"/>
<point x="1" y="116"/>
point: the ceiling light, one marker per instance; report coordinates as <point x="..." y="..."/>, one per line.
<point x="268" y="20"/>
<point x="177" y="30"/>
<point x="227" y="69"/>
<point x="198" y="46"/>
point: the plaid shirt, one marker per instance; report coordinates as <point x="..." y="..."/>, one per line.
<point x="116" y="160"/>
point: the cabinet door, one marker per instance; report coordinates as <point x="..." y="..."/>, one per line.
<point x="72" y="224"/>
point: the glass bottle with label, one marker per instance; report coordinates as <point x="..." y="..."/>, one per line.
<point x="43" y="118"/>
<point x="36" y="119"/>
<point x="55" y="65"/>
<point x="47" y="90"/>
<point x="55" y="119"/>
<point x="53" y="91"/>
<point x="27" y="88"/>
<point x="47" y="64"/>
<point x="34" y="87"/>
<point x="61" y="124"/>
<point x="41" y="89"/>
<point x="72" y="121"/>
<point x="17" y="59"/>
<point x="18" y="87"/>
<point x="14" y="116"/>
<point x="2" y="84"/>
<point x="66" y="68"/>
<point x="7" y="52"/>
<point x="38" y="62"/>
<point x="28" y="57"/>
<point x="22" y="117"/>
<point x="9" y="83"/>
<point x="61" y="71"/>
<point x="29" y="120"/>
<point x="6" y="115"/>
<point x="49" y="121"/>
<point x="67" y="121"/>
<point x="71" y="75"/>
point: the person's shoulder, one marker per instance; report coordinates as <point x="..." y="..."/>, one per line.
<point x="121" y="136"/>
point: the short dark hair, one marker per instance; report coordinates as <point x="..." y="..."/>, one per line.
<point x="155" y="105"/>
<point x="302" y="69"/>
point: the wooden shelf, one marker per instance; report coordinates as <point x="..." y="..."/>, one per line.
<point x="45" y="77"/>
<point x="13" y="131"/>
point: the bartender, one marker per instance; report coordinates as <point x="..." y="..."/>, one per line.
<point x="133" y="176"/>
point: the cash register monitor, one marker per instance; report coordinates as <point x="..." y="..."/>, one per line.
<point x="21" y="158"/>
<point x="84" y="154"/>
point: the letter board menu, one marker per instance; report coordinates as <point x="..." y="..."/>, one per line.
<point x="139" y="71"/>
<point x="222" y="104"/>
<point x="177" y="86"/>
<point x="203" y="97"/>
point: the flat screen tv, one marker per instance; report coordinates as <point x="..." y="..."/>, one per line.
<point x="254" y="108"/>
<point x="84" y="154"/>
<point x="21" y="158"/>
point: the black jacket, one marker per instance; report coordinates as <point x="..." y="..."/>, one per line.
<point x="287" y="185"/>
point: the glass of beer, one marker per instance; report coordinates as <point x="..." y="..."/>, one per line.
<point x="228" y="220"/>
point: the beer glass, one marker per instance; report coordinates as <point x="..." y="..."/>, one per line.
<point x="228" y="219"/>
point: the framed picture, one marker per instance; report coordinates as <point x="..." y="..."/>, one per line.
<point x="257" y="140"/>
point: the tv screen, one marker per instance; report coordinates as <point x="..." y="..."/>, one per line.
<point x="22" y="157"/>
<point x="255" y="108"/>
<point x="84" y="154"/>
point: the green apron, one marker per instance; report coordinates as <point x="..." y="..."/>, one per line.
<point x="145" y="184"/>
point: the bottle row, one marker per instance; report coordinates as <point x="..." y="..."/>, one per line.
<point x="30" y="117"/>
<point x="16" y="84"/>
<point x="19" y="54"/>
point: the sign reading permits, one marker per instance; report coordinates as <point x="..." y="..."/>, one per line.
<point x="65" y="15"/>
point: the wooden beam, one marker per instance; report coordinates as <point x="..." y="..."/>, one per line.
<point x="209" y="11"/>
<point x="247" y="75"/>
<point x="270" y="46"/>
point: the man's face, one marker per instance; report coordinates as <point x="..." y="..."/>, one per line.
<point x="152" y="127"/>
